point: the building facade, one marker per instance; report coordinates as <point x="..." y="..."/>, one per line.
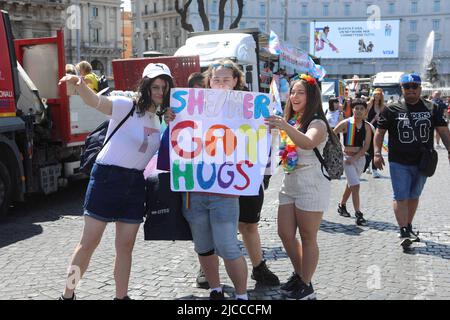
<point x="92" y="29"/>
<point x="159" y="28"/>
<point x="291" y="20"/>
<point x="31" y="19"/>
<point x="127" y="35"/>
<point x="99" y="40"/>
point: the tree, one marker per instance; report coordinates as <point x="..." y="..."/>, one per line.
<point x="203" y="15"/>
<point x="183" y="14"/>
<point x="235" y="23"/>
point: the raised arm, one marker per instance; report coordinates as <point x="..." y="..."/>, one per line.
<point x="102" y="104"/>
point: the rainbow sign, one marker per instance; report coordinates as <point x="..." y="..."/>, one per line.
<point x="218" y="140"/>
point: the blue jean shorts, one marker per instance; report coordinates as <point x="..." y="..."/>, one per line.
<point x="407" y="181"/>
<point x="214" y="224"/>
<point x="115" y="194"/>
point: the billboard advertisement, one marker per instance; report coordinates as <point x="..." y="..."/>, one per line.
<point x="355" y="39"/>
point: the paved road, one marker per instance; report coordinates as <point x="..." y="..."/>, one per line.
<point x="355" y="262"/>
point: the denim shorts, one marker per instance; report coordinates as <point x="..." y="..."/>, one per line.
<point x="115" y="194"/>
<point x="407" y="181"/>
<point x="214" y="224"/>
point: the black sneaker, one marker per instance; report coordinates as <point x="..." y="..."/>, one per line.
<point x="342" y="210"/>
<point x="215" y="295"/>
<point x="61" y="297"/>
<point x="404" y="233"/>
<point x="124" y="298"/>
<point x="360" y="221"/>
<point x="264" y="276"/>
<point x="290" y="284"/>
<point x="302" y="291"/>
<point x="201" y="280"/>
<point x="415" y="235"/>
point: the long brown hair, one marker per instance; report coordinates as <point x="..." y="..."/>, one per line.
<point x="381" y="103"/>
<point x="228" y="64"/>
<point x="144" y="98"/>
<point x="313" y="107"/>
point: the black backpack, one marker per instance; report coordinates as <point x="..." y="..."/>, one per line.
<point x="102" y="83"/>
<point x="95" y="142"/>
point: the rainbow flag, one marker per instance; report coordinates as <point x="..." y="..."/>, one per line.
<point x="274" y="43"/>
<point x="276" y="96"/>
<point x="351" y="132"/>
<point x="385" y="144"/>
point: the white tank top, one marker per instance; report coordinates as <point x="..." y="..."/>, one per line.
<point x="136" y="141"/>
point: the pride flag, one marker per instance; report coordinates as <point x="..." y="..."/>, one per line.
<point x="274" y="43"/>
<point x="275" y="94"/>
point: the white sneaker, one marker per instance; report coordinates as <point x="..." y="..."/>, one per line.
<point x="368" y="171"/>
<point x="376" y="174"/>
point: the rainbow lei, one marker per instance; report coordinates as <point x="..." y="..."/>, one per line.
<point x="288" y="151"/>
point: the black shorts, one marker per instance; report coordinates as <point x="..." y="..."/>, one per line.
<point x="250" y="207"/>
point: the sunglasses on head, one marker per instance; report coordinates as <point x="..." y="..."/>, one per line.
<point x="225" y="65"/>
<point x="408" y="86"/>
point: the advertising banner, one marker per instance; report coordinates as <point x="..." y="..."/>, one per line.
<point x="355" y="39"/>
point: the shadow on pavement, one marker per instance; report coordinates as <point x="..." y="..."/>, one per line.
<point x="333" y="227"/>
<point x="431" y="248"/>
<point x="258" y="293"/>
<point x="23" y="219"/>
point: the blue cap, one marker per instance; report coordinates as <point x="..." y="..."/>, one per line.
<point x="410" y="78"/>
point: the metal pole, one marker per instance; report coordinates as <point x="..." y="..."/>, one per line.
<point x="267" y="16"/>
<point x="314" y="39"/>
<point x="139" y="41"/>
<point x="77" y="32"/>
<point x="122" y="9"/>
<point x="285" y="19"/>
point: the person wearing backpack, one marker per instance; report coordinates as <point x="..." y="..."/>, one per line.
<point x="85" y="70"/>
<point x="305" y="193"/>
<point x="116" y="190"/>
<point x="357" y="137"/>
<point x="406" y="148"/>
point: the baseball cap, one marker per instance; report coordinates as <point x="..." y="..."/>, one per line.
<point x="153" y="70"/>
<point x="410" y="78"/>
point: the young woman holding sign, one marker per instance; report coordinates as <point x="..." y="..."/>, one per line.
<point x="213" y="218"/>
<point x="116" y="190"/>
<point x="305" y="192"/>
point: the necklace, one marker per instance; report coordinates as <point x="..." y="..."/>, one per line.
<point x="288" y="151"/>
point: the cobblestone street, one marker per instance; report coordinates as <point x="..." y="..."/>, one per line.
<point x="365" y="263"/>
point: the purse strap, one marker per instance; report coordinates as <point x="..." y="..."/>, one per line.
<point x="120" y="124"/>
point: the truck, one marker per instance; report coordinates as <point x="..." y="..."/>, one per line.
<point x="246" y="47"/>
<point x="43" y="126"/>
<point x="389" y="82"/>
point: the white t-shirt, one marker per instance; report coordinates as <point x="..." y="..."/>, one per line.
<point x="136" y="141"/>
<point x="333" y="118"/>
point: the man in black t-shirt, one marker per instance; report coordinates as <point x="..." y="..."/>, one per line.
<point x="404" y="149"/>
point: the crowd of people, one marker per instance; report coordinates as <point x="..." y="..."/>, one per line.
<point x="116" y="188"/>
